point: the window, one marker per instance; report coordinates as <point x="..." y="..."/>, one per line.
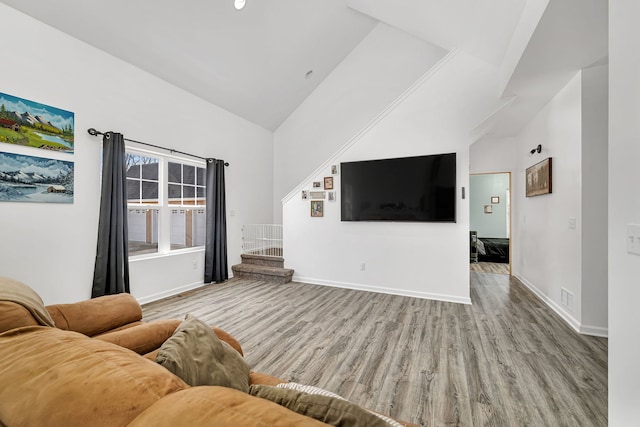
<point x="186" y="185"/>
<point x="164" y="190"/>
<point x="142" y="179"/>
<point x="143" y="188"/>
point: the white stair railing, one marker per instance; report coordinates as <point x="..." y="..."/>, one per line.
<point x="262" y="239"/>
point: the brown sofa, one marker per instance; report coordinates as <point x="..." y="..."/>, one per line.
<point x="95" y="368"/>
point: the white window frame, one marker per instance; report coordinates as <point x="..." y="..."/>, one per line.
<point x="163" y="207"/>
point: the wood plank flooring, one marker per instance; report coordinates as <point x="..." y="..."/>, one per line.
<point x="505" y="360"/>
<point x="490" y="267"/>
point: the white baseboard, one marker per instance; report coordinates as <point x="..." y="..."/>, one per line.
<point x="566" y="316"/>
<point x="383" y="290"/>
<point x="596" y="331"/>
<point x="170" y="292"/>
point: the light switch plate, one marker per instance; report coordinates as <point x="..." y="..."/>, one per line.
<point x="633" y="239"/>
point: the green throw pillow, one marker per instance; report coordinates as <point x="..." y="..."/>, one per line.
<point x="330" y="410"/>
<point x="195" y="354"/>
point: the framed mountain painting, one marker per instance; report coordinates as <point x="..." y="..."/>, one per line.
<point x="29" y="123"/>
<point x="35" y="179"/>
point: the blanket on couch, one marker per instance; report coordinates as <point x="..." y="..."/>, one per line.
<point x="19" y="293"/>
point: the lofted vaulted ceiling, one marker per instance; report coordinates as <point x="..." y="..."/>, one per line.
<point x="251" y="62"/>
<point x="255" y="62"/>
<point x="481" y="28"/>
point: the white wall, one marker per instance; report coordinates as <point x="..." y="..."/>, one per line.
<point x="481" y="189"/>
<point x="52" y="247"/>
<point x="427" y="260"/>
<point x="490" y="155"/>
<point x="594" y="198"/>
<point x="560" y="239"/>
<point x="378" y="70"/>
<point x="624" y="208"/>
<point x="548" y="251"/>
<point x="497" y="155"/>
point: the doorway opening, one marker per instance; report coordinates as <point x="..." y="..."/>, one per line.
<point x="490" y="222"/>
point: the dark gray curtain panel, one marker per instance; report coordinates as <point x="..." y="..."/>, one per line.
<point x="215" y="255"/>
<point x="111" y="274"/>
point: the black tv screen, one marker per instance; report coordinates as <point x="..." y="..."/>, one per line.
<point x="419" y="189"/>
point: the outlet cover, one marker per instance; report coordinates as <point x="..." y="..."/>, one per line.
<point x="567" y="299"/>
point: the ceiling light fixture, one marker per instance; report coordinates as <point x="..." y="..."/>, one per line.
<point x="239" y="4"/>
<point x="308" y="74"/>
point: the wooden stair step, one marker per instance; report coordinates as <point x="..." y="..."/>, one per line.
<point x="271" y="261"/>
<point x="263" y="272"/>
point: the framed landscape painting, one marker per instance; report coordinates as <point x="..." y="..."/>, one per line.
<point x="31" y="124"/>
<point x="35" y="179"/>
<point x="539" y="179"/>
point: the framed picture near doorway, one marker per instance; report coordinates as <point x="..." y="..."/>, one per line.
<point x="539" y="179"/>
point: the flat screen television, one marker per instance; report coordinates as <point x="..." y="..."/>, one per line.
<point x="412" y="189"/>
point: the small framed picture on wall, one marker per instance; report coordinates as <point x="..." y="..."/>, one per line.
<point x="328" y="183"/>
<point x="317" y="208"/>
<point x="539" y="179"/>
<point x="317" y="184"/>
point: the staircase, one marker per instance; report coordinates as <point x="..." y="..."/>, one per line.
<point x="263" y="267"/>
<point x="262" y="254"/>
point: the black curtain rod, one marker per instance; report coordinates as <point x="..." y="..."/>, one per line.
<point x="94" y="132"/>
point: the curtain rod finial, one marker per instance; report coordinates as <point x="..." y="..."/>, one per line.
<point x="211" y="160"/>
<point x="93" y="132"/>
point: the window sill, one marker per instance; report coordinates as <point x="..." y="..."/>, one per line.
<point x="176" y="252"/>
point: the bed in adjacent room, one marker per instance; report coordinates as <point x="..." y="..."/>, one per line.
<point x="491" y="249"/>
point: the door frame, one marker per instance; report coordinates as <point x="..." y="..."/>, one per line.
<point x="509" y="209"/>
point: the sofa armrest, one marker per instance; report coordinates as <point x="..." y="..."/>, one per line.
<point x="141" y="338"/>
<point x="98" y="315"/>
<point x="147" y="338"/>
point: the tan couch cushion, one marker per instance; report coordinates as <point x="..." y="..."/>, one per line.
<point x="98" y="315"/>
<point x="219" y="407"/>
<point x="199" y="357"/>
<point x="59" y="378"/>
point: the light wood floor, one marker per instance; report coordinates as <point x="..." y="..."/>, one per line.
<point x="505" y="360"/>
<point x="490" y="267"/>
